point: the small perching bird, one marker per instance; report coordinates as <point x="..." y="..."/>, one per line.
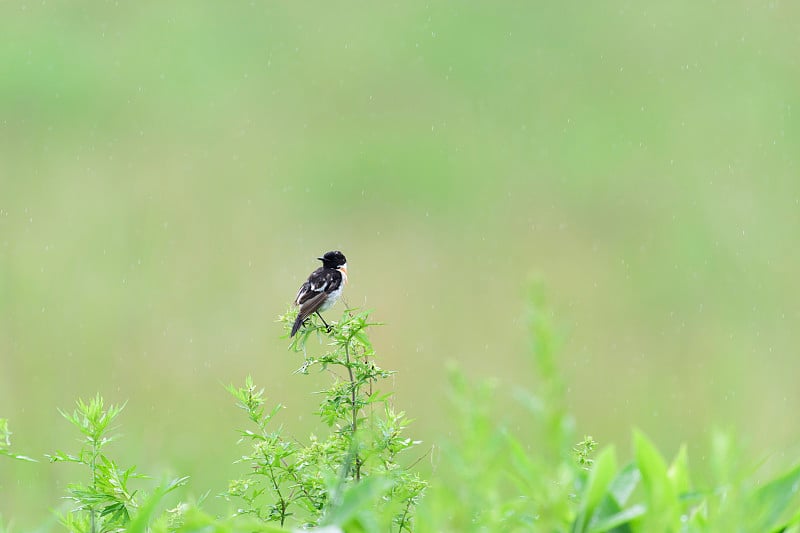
<point x="322" y="288"/>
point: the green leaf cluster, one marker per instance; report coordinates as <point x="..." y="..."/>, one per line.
<point x="106" y="502"/>
<point x="353" y="475"/>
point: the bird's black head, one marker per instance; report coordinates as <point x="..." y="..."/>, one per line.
<point x="333" y="259"/>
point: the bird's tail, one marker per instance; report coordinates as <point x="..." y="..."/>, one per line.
<point x="297" y="323"/>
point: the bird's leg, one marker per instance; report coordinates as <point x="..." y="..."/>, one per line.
<point x="323" y="321"/>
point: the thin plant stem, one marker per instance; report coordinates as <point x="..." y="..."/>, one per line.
<point x="353" y="401"/>
<point x="93" y="467"/>
<point x="403" y="518"/>
<point x="278" y="492"/>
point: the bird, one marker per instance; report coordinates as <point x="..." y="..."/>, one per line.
<point x="322" y="288"/>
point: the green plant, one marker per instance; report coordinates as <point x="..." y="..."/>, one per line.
<point x="350" y="477"/>
<point x="648" y="494"/>
<point x="497" y="478"/>
<point x="106" y="503"/>
<point x="493" y="478"/>
<point x="499" y="471"/>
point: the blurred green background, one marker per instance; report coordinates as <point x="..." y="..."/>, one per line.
<point x="170" y="170"/>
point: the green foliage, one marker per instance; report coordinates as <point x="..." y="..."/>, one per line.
<point x="106" y="503"/>
<point x="491" y="478"/>
<point x="352" y="477"/>
<point x="650" y="495"/>
<point x="488" y="477"/>
<point x="191" y="518"/>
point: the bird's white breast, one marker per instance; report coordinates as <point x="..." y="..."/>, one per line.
<point x="332" y="298"/>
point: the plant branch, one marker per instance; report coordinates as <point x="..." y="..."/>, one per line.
<point x="281" y="500"/>
<point x="354" y="406"/>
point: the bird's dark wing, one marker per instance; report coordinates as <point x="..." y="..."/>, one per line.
<point x="303" y="293"/>
<point x="308" y="307"/>
<point x="321" y="281"/>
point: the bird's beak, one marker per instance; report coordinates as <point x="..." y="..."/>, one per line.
<point x="320" y="259"/>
